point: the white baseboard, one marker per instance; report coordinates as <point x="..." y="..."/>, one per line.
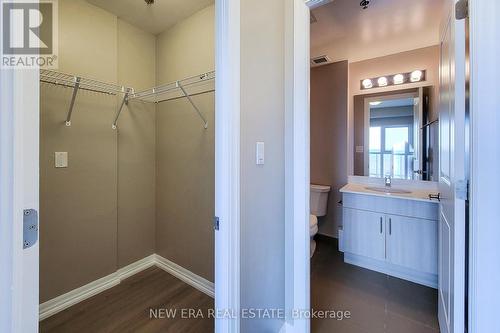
<point x="77" y="295"/>
<point x="186" y="276"/>
<point x="136" y="267"/>
<point x="93" y="288"/>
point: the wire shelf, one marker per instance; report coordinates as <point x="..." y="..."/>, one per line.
<point x="186" y="88"/>
<point x="70" y="81"/>
<point x="191" y="86"/>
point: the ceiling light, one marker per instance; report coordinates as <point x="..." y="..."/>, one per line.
<point x="367" y="83"/>
<point x="416" y="76"/>
<point x="399" y="79"/>
<point x="375" y="103"/>
<point x="382" y="81"/>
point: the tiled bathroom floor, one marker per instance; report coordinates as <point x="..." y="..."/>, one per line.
<point x="377" y="302"/>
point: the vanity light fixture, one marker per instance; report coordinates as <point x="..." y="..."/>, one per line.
<point x="382" y="81"/>
<point x="394" y="79"/>
<point x="367" y="84"/>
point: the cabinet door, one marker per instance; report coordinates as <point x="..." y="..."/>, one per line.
<point x="412" y="243"/>
<point x="364" y="233"/>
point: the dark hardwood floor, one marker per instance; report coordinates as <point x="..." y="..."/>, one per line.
<point x="126" y="308"/>
<point x="377" y="302"/>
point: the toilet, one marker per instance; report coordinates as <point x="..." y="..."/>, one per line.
<point x="318" y="205"/>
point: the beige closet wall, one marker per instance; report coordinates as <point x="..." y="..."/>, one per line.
<point x="81" y="239"/>
<point x="136" y="147"/>
<point x="185" y="150"/>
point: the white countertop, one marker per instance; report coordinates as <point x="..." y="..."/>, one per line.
<point x="417" y="193"/>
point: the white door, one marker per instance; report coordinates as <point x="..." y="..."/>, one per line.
<point x="452" y="172"/>
<point x="412" y="243"/>
<point x="18" y="192"/>
<point x="364" y="233"/>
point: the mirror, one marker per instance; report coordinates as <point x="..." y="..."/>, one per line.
<point x="396" y="134"/>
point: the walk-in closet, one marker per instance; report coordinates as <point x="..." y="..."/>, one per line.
<point x="127" y="167"/>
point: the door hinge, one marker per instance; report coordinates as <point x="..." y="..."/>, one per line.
<point x="30" y="228"/>
<point x="462" y="9"/>
<point x="462" y="190"/>
<point x="216" y="223"/>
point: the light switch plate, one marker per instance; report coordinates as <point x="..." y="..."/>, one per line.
<point x="61" y="159"/>
<point x="260" y="153"/>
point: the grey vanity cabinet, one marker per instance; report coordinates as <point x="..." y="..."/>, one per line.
<point x="412" y="243"/>
<point x="364" y="233"/>
<point x="392" y="236"/>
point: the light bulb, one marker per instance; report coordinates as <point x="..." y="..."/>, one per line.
<point x="382" y="81"/>
<point x="399" y="79"/>
<point x="367" y="83"/>
<point x="416" y="76"/>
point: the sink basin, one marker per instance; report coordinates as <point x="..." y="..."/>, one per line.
<point x="388" y="190"/>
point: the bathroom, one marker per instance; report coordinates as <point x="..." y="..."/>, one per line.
<point x="374" y="164"/>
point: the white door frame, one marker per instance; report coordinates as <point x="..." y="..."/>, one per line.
<point x="19" y="190"/>
<point x="227" y="166"/>
<point x="19" y="161"/>
<point x="297" y="168"/>
<point x="484" y="253"/>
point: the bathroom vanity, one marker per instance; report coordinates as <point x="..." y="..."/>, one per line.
<point x="392" y="230"/>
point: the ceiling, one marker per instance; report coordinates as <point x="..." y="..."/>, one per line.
<point x="344" y="31"/>
<point x="155" y="18"/>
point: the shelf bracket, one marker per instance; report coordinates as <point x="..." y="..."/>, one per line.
<point x="124" y="101"/>
<point x="73" y="98"/>
<point x="205" y="123"/>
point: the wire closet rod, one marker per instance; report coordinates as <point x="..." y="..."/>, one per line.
<point x="81" y="83"/>
<point x="185" y="88"/>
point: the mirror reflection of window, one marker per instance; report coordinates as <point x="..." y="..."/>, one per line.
<point x="391" y="138"/>
<point x="396" y="133"/>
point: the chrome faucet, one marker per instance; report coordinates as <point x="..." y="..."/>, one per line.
<point x="388" y="181"/>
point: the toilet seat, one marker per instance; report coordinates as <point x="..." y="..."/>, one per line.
<point x="313" y="225"/>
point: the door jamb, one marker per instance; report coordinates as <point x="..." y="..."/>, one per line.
<point x="297" y="169"/>
<point x="227" y="166"/>
<point x="484" y="254"/>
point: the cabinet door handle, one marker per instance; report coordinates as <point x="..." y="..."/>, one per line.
<point x="381" y="224"/>
<point x="390" y="226"/>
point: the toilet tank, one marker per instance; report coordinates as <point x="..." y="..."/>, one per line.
<point x="319" y="199"/>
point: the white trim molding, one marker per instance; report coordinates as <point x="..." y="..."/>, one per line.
<point x="78" y="295"/>
<point x="185" y="275"/>
<point x="227" y="164"/>
<point x="484" y="253"/>
<point x="93" y="288"/>
<point x="297" y="183"/>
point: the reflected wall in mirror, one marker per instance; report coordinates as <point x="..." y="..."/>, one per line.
<point x="396" y="135"/>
